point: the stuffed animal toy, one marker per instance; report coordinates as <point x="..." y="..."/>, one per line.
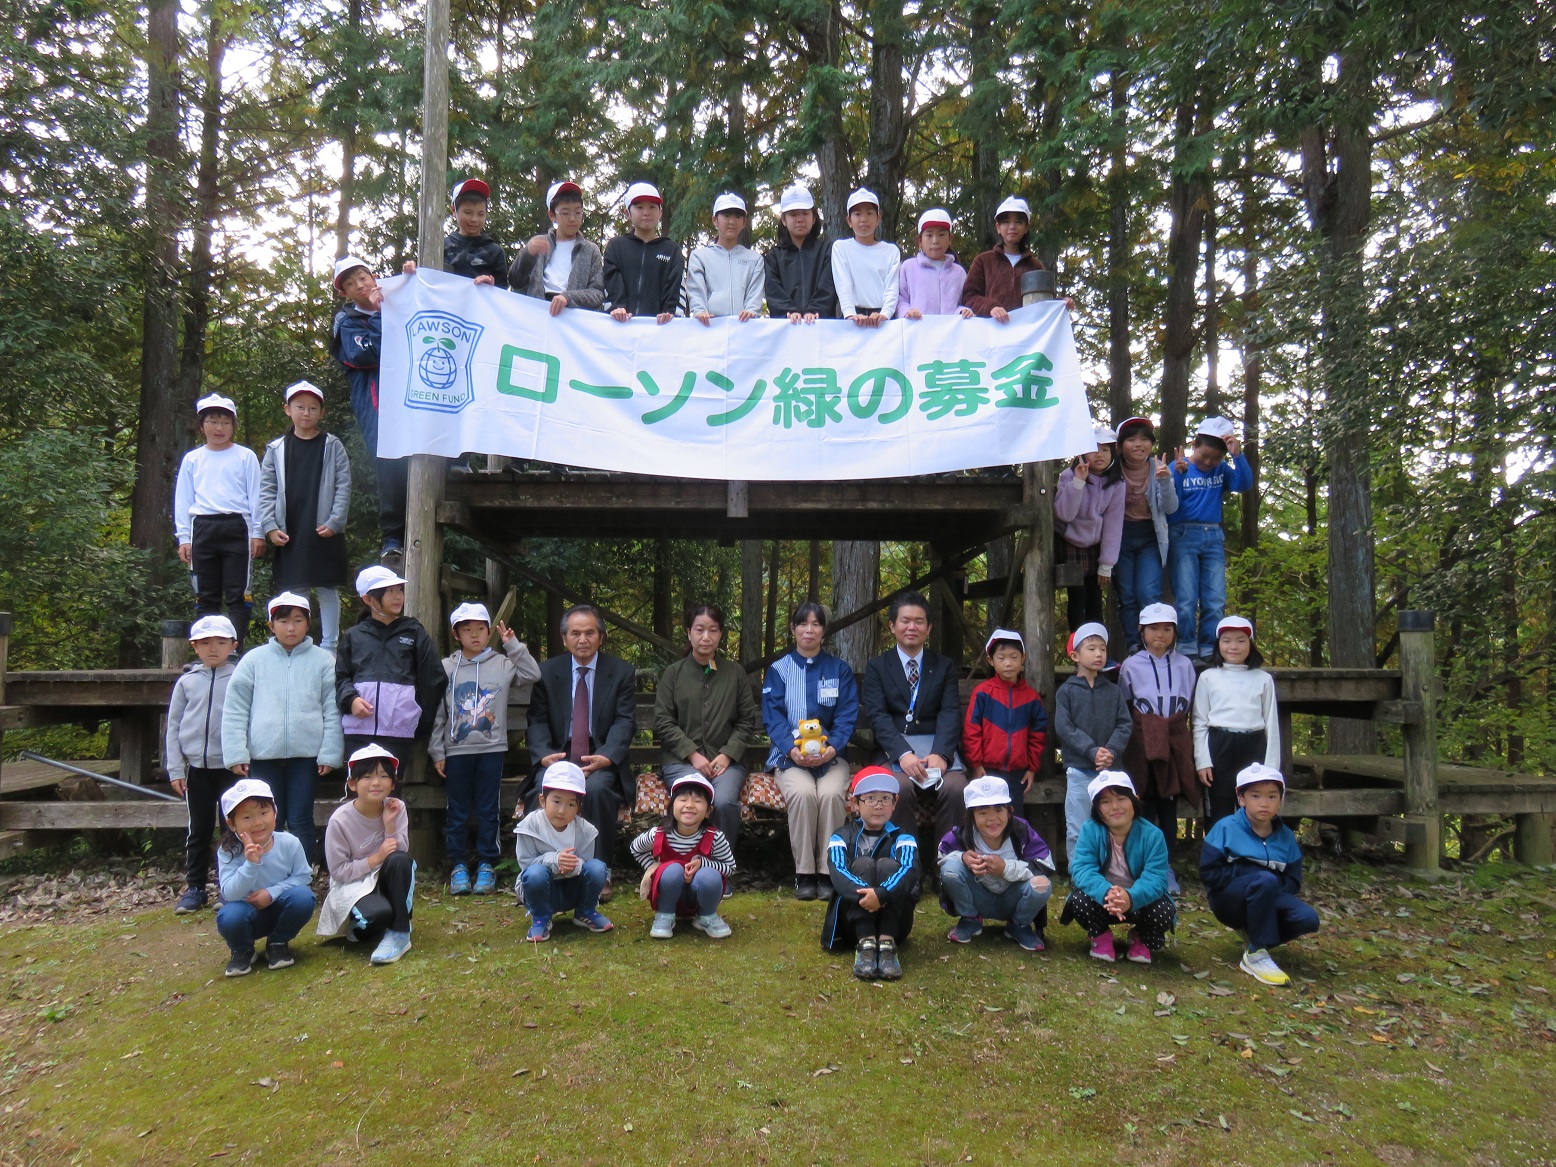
<point x="812" y="739"/>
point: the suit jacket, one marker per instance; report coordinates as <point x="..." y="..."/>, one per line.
<point x="612" y="719"/>
<point x="884" y="697"/>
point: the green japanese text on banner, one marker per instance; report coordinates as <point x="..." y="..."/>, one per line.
<point x="477" y="369"/>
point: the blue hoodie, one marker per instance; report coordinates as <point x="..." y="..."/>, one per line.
<point x="1200" y="492"/>
<point x="1232" y="852"/>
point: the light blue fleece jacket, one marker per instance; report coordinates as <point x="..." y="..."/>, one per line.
<point x="281" y="867"/>
<point x="281" y="704"/>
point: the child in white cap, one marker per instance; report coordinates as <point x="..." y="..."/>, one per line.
<point x="1252" y="867"/>
<point x="1119" y="874"/>
<point x="367" y="849"/>
<point x="864" y="268"/>
<point x="216" y="514"/>
<point x="1089" y="523"/>
<point x="1196" y="556"/>
<point x="995" y="867"/>
<point x="725" y="277"/>
<point x="1235" y="719"/>
<point x="1091" y="723"/>
<point x="470" y="739"/>
<point x="264" y="878"/>
<point x="993" y="286"/>
<point x="643" y="269"/>
<point x="799" y="265"/>
<point x="304" y="497"/>
<point x="686" y="862"/>
<point x="279" y="723"/>
<point x="558" y="868"/>
<point x="561" y="266"/>
<point x="1149" y="498"/>
<point x="1006" y="727"/>
<point x="192" y="750"/>
<point x="930" y="283"/>
<point x="875" y="875"/>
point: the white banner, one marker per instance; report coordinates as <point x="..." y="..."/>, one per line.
<point x="477" y="369"/>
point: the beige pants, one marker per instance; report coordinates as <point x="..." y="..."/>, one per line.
<point x="815" y="800"/>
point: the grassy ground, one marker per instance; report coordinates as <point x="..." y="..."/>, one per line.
<point x="1421" y="1029"/>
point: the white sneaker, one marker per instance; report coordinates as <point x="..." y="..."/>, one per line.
<point x="663" y="926"/>
<point x="713" y="925"/>
<point x="1262" y="967"/>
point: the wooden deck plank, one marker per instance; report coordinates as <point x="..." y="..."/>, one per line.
<point x="17" y="777"/>
<point x="1452" y="777"/>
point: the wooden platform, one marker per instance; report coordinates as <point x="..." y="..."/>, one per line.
<point x="1374" y="785"/>
<point x="18" y="777"/>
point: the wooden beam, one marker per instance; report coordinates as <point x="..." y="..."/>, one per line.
<point x="1399" y="712"/>
<point x="1418" y="675"/>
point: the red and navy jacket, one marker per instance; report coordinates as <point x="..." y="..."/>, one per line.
<point x="1006" y="727"/>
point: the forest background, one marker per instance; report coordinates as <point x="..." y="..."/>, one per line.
<point x="1332" y="222"/>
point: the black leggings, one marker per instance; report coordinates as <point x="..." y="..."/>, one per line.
<point x="219" y="557"/>
<point x="1164" y="813"/>
<point x="1231" y="750"/>
<point x="1153" y="921"/>
<point x="389" y="904"/>
<point x="203" y="788"/>
<point x="895" y="918"/>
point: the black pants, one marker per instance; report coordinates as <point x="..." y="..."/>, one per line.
<point x="1164" y="813"/>
<point x="1231" y="750"/>
<point x="219" y="555"/>
<point x="393" y="474"/>
<point x="1084" y="604"/>
<point x="1153" y="921"/>
<point x="388" y="906"/>
<point x="203" y="789"/>
<point x="895" y="918"/>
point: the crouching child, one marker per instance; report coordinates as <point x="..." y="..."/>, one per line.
<point x="558" y="870"/>
<point x="367" y="848"/>
<point x="874" y="867"/>
<point x="264" y="878"/>
<point x="995" y="866"/>
<point x="1119" y="871"/>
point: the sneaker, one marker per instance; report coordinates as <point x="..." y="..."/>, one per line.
<point x="485" y="880"/>
<point x="191" y="901"/>
<point x="539" y="929"/>
<point x="713" y="925"/>
<point x="965" y="928"/>
<point x="241" y="964"/>
<point x="1102" y="948"/>
<point x="887" y="966"/>
<point x="805" y="887"/>
<point x="459" y="880"/>
<point x="593" y="921"/>
<point x="866" y="959"/>
<point x="393" y="946"/>
<point x="1260" y="965"/>
<point x="1138" y="952"/>
<point x="278" y="954"/>
<point x="1025" y="935"/>
<point x="663" y="926"/>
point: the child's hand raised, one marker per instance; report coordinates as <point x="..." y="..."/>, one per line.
<point x="252" y="851"/>
<point x="538" y="245"/>
<point x="1179" y="462"/>
<point x="392" y="810"/>
<point x="1234" y="447"/>
<point x="1161" y="467"/>
<point x="1082" y="470"/>
<point x="504" y="633"/>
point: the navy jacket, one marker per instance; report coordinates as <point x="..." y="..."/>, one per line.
<point x="644" y="278"/>
<point x="884" y="699"/>
<point x="475" y="255"/>
<point x="1232" y="853"/>
<point x="894" y="843"/>
<point x="355" y="341"/>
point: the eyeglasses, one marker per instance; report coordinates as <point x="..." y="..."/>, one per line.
<point x="874" y="799"/>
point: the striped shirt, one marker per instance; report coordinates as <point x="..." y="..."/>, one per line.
<point x="722" y="858"/>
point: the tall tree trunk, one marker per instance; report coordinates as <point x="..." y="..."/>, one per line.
<point x="1213" y="402"/>
<point x="1120" y="363"/>
<point x="856" y="580"/>
<point x="348" y="142"/>
<point x="983" y="119"/>
<point x="1187" y="199"/>
<point x="771" y="638"/>
<point x="824" y="46"/>
<point x="664" y="575"/>
<point x="888" y="111"/>
<point x="813" y="572"/>
<point x="1253" y="359"/>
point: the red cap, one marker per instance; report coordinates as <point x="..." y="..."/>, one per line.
<point x="471" y="186"/>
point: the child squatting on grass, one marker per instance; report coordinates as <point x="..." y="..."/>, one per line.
<point x="367" y="849"/>
<point x="558" y="870"/>
<point x="874" y="866"/>
<point x="995" y="866"/>
<point x="686" y="862"/>
<point x="264" y="878"/>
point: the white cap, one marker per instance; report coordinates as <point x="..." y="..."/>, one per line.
<point x="1004" y="634"/>
<point x="1104" y="434"/>
<point x="863" y="195"/>
<point x="212" y="626"/>
<point x="349" y="263"/>
<point x="297" y="387"/>
<point x="986" y="792"/>
<point x="287" y="600"/>
<point x="1107" y="778"/>
<point x="469" y="612"/>
<point x="1084" y="631"/>
<point x="563" y="775"/>
<point x="642" y="190"/>
<point x="370" y="579"/>
<point x="474" y="186"/>
<point x="1013" y="204"/>
<point x="796" y="198"/>
<point x="934" y="217"/>
<point x="692" y="779"/>
<point x="244" y="788"/>
<point x="216" y="401"/>
<point x="557" y="189"/>
<point x="374" y="750"/>
<point x="1235" y="624"/>
<point x="1158" y="614"/>
<point x="1259" y="772"/>
<point x="1215" y="427"/>
<point x="729" y="201"/>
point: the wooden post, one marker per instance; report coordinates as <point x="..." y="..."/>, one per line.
<point x="175" y="643"/>
<point x="750" y="600"/>
<point x="1532" y="841"/>
<point x="5" y="651"/>
<point x="1418" y="683"/>
<point x="1037" y="585"/>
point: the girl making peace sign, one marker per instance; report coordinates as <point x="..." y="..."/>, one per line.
<point x="264" y="878"/>
<point x="1149" y="497"/>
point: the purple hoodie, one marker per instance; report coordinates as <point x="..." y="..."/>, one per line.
<point x="934" y="289"/>
<point x="1090" y="514"/>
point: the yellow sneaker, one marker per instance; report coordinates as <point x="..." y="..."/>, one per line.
<point x="1262" y="967"/>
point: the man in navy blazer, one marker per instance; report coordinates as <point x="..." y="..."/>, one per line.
<point x="611" y="687"/>
<point x="928" y="712"/>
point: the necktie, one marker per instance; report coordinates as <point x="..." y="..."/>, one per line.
<point x="580" y="743"/>
<point x="912" y="673"/>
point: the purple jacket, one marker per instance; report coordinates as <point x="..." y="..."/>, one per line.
<point x="1024" y="840"/>
<point x="1090" y="514"/>
<point x="934" y="291"/>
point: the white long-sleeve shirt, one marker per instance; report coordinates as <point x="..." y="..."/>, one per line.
<point x="216" y="482"/>
<point x="865" y="275"/>
<point x="1238" y="698"/>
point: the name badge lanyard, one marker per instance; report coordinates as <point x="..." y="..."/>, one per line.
<point x="913" y="698"/>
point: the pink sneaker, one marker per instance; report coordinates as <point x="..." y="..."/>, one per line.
<point x="1102" y="948"/>
<point x="1138" y="952"/>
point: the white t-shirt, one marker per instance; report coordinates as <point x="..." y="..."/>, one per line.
<point x="559" y="266"/>
<point x="865" y="276"/>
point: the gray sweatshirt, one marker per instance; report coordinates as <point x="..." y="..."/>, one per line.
<point x="334" y="487"/>
<point x="194" y="719"/>
<point x="724" y="281"/>
<point x="472" y="718"/>
<point x="585" y="280"/>
<point x="539" y="841"/>
<point x="1088" y="716"/>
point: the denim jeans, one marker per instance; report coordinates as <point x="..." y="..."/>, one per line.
<point x="546" y="893"/>
<point x="1137" y="575"/>
<point x="1077" y="807"/>
<point x="1196" y="558"/>
<point x="240" y="923"/>
<point x="1018" y="904"/>
<point x="473" y="782"/>
<point x="293" y="782"/>
<point x="702" y="893"/>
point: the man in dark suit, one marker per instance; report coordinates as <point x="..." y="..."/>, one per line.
<point x="910" y="700"/>
<point x="604" y="686"/>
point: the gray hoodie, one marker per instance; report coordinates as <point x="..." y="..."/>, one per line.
<point x="539" y="841"/>
<point x="1088" y="716"/>
<point x="194" y="719"/>
<point x="334" y="487"/>
<point x="724" y="281"/>
<point x="472" y="718"/>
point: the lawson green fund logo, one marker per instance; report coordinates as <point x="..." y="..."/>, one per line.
<point x="441" y="347"/>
